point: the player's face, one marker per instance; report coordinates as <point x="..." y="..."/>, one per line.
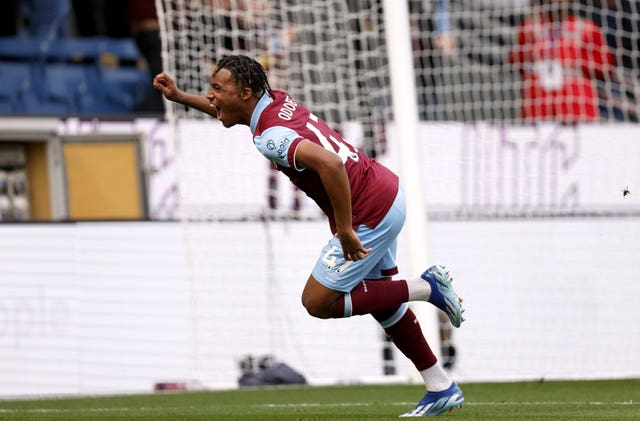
<point x="228" y="99"/>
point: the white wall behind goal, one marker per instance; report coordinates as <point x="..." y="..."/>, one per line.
<point x="113" y="307"/>
<point x="116" y="307"/>
<point x="468" y="169"/>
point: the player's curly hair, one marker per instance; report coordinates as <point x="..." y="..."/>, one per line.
<point x="247" y="73"/>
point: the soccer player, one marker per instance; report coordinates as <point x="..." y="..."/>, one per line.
<point x="364" y="203"/>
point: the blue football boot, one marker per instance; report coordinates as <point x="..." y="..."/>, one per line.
<point x="442" y="294"/>
<point x="436" y="403"/>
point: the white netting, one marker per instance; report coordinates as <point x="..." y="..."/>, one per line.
<point x="513" y="62"/>
<point x="328" y="54"/>
<point x="475" y="60"/>
<point x="526" y="61"/>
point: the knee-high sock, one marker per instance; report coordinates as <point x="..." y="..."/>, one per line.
<point x="401" y="324"/>
<point x="370" y="296"/>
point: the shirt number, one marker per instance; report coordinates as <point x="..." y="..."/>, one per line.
<point x="344" y="151"/>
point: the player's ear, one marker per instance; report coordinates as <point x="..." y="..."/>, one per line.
<point x="246" y="93"/>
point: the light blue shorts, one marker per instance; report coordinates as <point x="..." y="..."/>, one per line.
<point x="335" y="272"/>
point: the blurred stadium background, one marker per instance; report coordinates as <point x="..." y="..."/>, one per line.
<point x="122" y="216"/>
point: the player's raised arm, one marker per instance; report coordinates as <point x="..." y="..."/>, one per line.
<point x="165" y="84"/>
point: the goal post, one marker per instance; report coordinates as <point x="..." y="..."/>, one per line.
<point x="405" y="123"/>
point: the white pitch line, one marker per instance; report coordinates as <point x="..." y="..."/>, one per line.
<point x="542" y="403"/>
<point x="67" y="410"/>
<point x="311" y="405"/>
<point x="549" y="403"/>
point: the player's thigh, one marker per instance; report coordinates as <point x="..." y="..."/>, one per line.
<point x="335" y="272"/>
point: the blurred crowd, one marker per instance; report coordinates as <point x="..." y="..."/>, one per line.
<point x="52" y="19"/>
<point x="83" y="18"/>
<point x="575" y="60"/>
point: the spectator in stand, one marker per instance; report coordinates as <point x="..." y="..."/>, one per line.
<point x="432" y="39"/>
<point x="436" y="25"/>
<point x="46" y="18"/>
<point x="94" y="18"/>
<point x="507" y="11"/>
<point x="559" y="56"/>
<point x="145" y="30"/>
<point x="116" y="18"/>
<point x="89" y="17"/>
<point x="9" y="18"/>
<point x="618" y="20"/>
<point x="443" y="39"/>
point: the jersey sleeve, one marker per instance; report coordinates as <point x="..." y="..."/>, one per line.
<point x="275" y="142"/>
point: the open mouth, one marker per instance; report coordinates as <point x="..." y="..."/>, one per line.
<point x="217" y="110"/>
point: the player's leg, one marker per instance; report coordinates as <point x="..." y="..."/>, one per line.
<point x="366" y="297"/>
<point x="402" y="326"/>
<point x="340" y="288"/>
<point x="334" y="280"/>
<point x="443" y="394"/>
<point x="369" y="295"/>
<point x="318" y="299"/>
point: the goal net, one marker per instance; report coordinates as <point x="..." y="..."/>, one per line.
<point x="486" y="64"/>
<point x="499" y="62"/>
<point x="527" y="60"/>
<point x="329" y="55"/>
<point x="474" y="60"/>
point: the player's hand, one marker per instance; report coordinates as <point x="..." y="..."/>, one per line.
<point x="165" y="84"/>
<point x="352" y="248"/>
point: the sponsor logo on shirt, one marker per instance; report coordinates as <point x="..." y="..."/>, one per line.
<point x="282" y="148"/>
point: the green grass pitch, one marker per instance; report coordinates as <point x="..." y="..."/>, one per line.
<point x="583" y="400"/>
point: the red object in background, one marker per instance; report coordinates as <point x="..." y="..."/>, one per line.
<point x="170" y="386"/>
<point x="559" y="62"/>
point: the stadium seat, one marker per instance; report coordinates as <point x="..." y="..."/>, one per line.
<point x="22" y="48"/>
<point x="6" y="107"/>
<point x="98" y="50"/>
<point x="67" y="84"/>
<point x="113" y="83"/>
<point x="73" y="50"/>
<point x="80" y="76"/>
<point x="85" y="91"/>
<point x="91" y="105"/>
<point x="124" y="49"/>
<point x="36" y="105"/>
<point x="15" y="80"/>
<point x="124" y="86"/>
